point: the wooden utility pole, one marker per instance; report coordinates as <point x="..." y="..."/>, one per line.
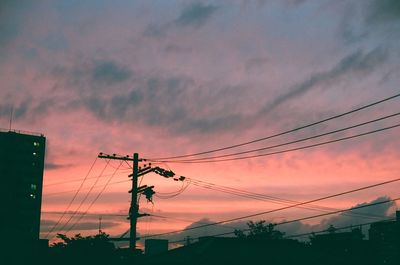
<point x="134" y="208"/>
<point x="146" y="190"/>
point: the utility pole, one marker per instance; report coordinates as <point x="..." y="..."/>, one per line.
<point x="134" y="208"/>
<point x="147" y="191"/>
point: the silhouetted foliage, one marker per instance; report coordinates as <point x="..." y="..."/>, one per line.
<point x="84" y="249"/>
<point x="260" y="230"/>
<point x="99" y="241"/>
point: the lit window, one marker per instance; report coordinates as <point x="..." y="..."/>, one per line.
<point x="33" y="186"/>
<point x="34" y="153"/>
<point x="35" y="144"/>
<point x="33" y="196"/>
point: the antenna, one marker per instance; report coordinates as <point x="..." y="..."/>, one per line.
<point x="11" y="116"/>
<point x="99" y="224"/>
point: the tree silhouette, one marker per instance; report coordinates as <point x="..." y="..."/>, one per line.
<point x="260" y="230"/>
<point x="99" y="241"/>
<point x="84" y="249"/>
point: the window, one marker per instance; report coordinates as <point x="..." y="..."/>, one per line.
<point x="33" y="196"/>
<point x="33" y="187"/>
<point x="36" y="144"/>
<point x="34" y="153"/>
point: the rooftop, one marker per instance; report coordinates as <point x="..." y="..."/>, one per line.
<point x="22" y="132"/>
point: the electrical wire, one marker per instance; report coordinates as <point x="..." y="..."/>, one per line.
<point x="173" y="194"/>
<point x="85" y="198"/>
<point x="247" y="194"/>
<point x="281" y="133"/>
<point x="282" y="208"/>
<point x="295" y="141"/>
<point x="287" y="150"/>
<point x="189" y="221"/>
<point x="95" y="199"/>
<point x="149" y="219"/>
<point x="276" y="200"/>
<point x="140" y="183"/>
<point x="98" y="186"/>
<point x="87" y="214"/>
<point x="72" y="200"/>
<point x="166" y="195"/>
<point x="284" y="202"/>
<point x="77" y="180"/>
<point x="308" y="217"/>
<point x="337" y="228"/>
<point x="120" y="166"/>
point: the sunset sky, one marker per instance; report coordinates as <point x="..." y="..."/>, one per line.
<point x="167" y="78"/>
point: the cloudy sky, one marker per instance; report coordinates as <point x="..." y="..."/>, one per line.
<point x="167" y="78"/>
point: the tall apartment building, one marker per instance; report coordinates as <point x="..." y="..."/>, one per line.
<point x="21" y="174"/>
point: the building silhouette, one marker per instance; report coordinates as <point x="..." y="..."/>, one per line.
<point x="385" y="238"/>
<point x="21" y="171"/>
<point x="343" y="240"/>
<point x="386" y="232"/>
<point x="156" y="246"/>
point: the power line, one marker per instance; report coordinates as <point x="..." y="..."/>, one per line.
<point x="295" y="141"/>
<point x="87" y="214"/>
<point x="311" y="217"/>
<point x="95" y="199"/>
<point x="176" y="219"/>
<point x="338" y="211"/>
<point x="255" y="196"/>
<point x="173" y="194"/>
<point x="72" y="200"/>
<point x="337" y="228"/>
<point x="161" y="195"/>
<point x="187" y="220"/>
<point x="273" y="199"/>
<point x="281" y="133"/>
<point x="77" y="180"/>
<point x="85" y="198"/>
<point x="245" y="194"/>
<point x="282" y="208"/>
<point x="287" y="150"/>
<point x="251" y="195"/>
<point x="98" y="186"/>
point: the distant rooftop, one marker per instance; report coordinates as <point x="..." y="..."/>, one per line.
<point x="22" y="132"/>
